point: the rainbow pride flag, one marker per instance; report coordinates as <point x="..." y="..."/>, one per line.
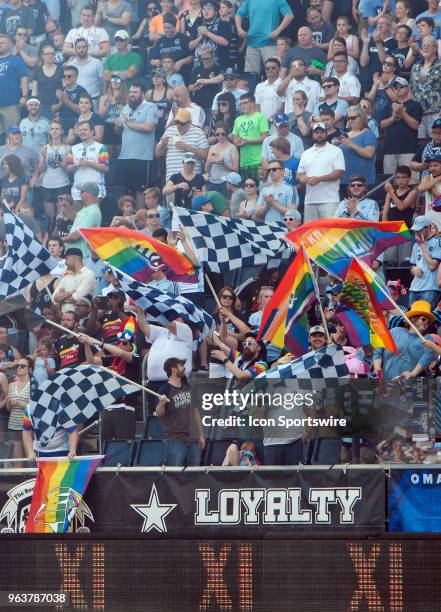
<point x="58" y="492"/>
<point x="130" y="251"/>
<point x="283" y="321"/>
<point x="361" y="313"/>
<point x="332" y="243"/>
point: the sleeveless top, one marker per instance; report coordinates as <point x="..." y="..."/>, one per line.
<point x="218" y="171"/>
<point x="164" y="107"/>
<point x="113" y="111"/>
<point x="55" y="175"/>
<point x="401" y="215"/>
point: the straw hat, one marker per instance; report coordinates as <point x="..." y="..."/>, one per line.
<point x="420" y="308"/>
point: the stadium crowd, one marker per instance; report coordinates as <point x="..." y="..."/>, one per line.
<point x="113" y="113"/>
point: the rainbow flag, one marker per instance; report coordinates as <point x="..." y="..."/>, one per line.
<point x="283" y="321"/>
<point x="332" y="243"/>
<point x="130" y="251"/>
<point x="360" y="312"/>
<point x="58" y="492"/>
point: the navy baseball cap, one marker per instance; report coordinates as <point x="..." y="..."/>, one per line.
<point x="281" y="119"/>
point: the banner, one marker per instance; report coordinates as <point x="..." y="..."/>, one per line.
<point x="414" y="500"/>
<point x="220" y="503"/>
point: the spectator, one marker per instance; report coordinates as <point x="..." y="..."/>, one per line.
<point x="28" y="53"/>
<point x="88" y="216"/>
<point x="250" y="130"/>
<point x="399" y="205"/>
<point x="110" y="107"/>
<point x="68" y="98"/>
<point x="300" y="118"/>
<point x="180" y="138"/>
<point x="296" y="80"/>
<point x="182" y="100"/>
<point x="322" y="32"/>
<point x="213" y="32"/>
<point x="235" y="192"/>
<point x="162" y="96"/>
<point x="267" y="100"/>
<point x="281" y="122"/>
<point x="275" y="199"/>
<point x="191" y="19"/>
<point x="172" y="77"/>
<point x="375" y="48"/>
<point x="425" y="260"/>
<point x="327" y="116"/>
<point x="401" y="127"/>
<point x="358" y="146"/>
<point x="283" y="44"/>
<point x="14" y="86"/>
<point x="65" y="215"/>
<point x="205" y="79"/>
<point x="430" y="186"/>
<point x="69" y="352"/>
<point x="230" y="87"/>
<point x="425" y="82"/>
<point x="338" y="45"/>
<point x="48" y="78"/>
<point x="184" y="437"/>
<point x="403" y="13"/>
<point x="14" y="16"/>
<point x="34" y="128"/>
<point x="153" y="199"/>
<point x="185" y="183"/>
<point x="403" y="50"/>
<point x="225" y="114"/>
<point x="107" y="316"/>
<point x="350" y="87"/>
<point x="63" y="444"/>
<point x="88" y="161"/>
<point x="113" y="16"/>
<point x="267" y="21"/>
<point x="90" y="70"/>
<point x="223" y="157"/>
<point x="127" y="207"/>
<point x="78" y="282"/>
<point x="280" y="150"/>
<point x="211" y="201"/>
<point x="248" y="206"/>
<point x="172" y="43"/>
<point x="332" y="100"/>
<point x="321" y="168"/>
<point x="15" y="185"/>
<point x="18" y="398"/>
<point x="229" y="56"/>
<point x="14" y="146"/>
<point x="356" y="205"/>
<point x="434" y="12"/>
<point x="44" y="364"/>
<point x="419" y="161"/>
<point x="156" y="25"/>
<point x="246" y="365"/>
<point x="97" y="38"/>
<point x="342" y="30"/>
<point x="138" y="119"/>
<point x="368" y="108"/>
<point x="305" y="51"/>
<point x="85" y="104"/>
<point x="123" y="63"/>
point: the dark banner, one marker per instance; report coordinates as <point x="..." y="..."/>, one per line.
<point x="242" y="503"/>
<point x="223" y="575"/>
<point x="414" y="500"/>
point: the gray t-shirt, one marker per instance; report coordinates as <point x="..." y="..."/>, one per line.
<point x="28" y="157"/>
<point x="139" y="145"/>
<point x="236" y="198"/>
<point x="429" y="279"/>
<point x="284" y="195"/>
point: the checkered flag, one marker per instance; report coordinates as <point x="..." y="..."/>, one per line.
<point x="26" y="259"/>
<point x="225" y="244"/>
<point x="164" y="308"/>
<point x="72" y="396"/>
<point x="322" y="366"/>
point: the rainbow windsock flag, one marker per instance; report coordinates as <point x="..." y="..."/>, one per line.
<point x="58" y="492"/>
<point x="284" y="321"/>
<point x="361" y="313"/>
<point x="136" y="254"/>
<point x="333" y="242"/>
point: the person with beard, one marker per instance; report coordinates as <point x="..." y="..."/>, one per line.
<point x="320" y="170"/>
<point x="90" y="70"/>
<point x="242" y="366"/>
<point x="213" y="32"/>
<point x="107" y="322"/>
<point x="69" y="352"/>
<point x="138" y="123"/>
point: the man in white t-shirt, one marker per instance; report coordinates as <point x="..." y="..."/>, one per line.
<point x="296" y="80"/>
<point x="320" y="170"/>
<point x="97" y="38"/>
<point x="267" y="100"/>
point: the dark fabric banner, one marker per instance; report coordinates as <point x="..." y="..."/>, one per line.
<point x="414" y="500"/>
<point x="245" y="503"/>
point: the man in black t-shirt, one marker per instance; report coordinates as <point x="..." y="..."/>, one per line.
<point x="400" y="122"/>
<point x="68" y="98"/>
<point x="205" y="81"/>
<point x="15" y="16"/>
<point x="184" y="436"/>
<point x="214" y="32"/>
<point x="69" y="352"/>
<point x="172" y="43"/>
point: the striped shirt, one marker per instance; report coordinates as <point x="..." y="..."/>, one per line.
<point x="15" y="422"/>
<point x="194" y="137"/>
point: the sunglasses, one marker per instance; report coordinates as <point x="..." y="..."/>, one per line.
<point x="329" y="86"/>
<point x="389" y="64"/>
<point x="154" y="216"/>
<point x="113" y="295"/>
<point x="289" y="218"/>
<point x="353" y="118"/>
<point x="22" y="365"/>
<point x="68" y="76"/>
<point x="275" y="169"/>
<point x="249" y="343"/>
<point x="221" y="133"/>
<point x="227" y="296"/>
<point x="116" y="80"/>
<point x="356" y="185"/>
<point x="249" y="185"/>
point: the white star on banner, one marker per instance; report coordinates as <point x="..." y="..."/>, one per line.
<point x="153" y="513"/>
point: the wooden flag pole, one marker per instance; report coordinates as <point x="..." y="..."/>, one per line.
<point x="317" y="293"/>
<point x="391" y="300"/>
<point x="216" y="299"/>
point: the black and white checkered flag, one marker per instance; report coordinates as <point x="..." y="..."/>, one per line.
<point x="164" y="308"/>
<point x="26" y="259"/>
<point x="72" y="396"/>
<point x="225" y="244"/>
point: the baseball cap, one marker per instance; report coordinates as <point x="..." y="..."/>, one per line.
<point x="400" y="81"/>
<point x="74" y="251"/>
<point x="91" y="188"/>
<point x="122" y="34"/>
<point x="421" y="222"/>
<point x="183" y="116"/>
<point x="293" y="212"/>
<point x="188" y="157"/>
<point x="13" y="129"/>
<point x="234" y="178"/>
<point x="319" y="126"/>
<point x="280" y="119"/>
<point x="357" y="177"/>
<point x="317" y="329"/>
<point x="172" y="362"/>
<point x="230" y="72"/>
<point x="199" y="201"/>
<point x="436" y="123"/>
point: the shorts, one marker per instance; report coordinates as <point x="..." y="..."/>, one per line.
<point x="48" y="194"/>
<point x="132" y="174"/>
<point x="111" y="137"/>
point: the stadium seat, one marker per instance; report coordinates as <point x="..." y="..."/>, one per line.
<point x="150" y="453"/>
<point x="154" y="429"/>
<point x="215" y="451"/>
<point x="6" y="450"/>
<point x="119" y="452"/>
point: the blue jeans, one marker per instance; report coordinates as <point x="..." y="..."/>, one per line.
<point x="429" y="296"/>
<point x="182" y="453"/>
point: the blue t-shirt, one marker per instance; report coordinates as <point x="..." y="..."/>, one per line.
<point x="12" y="69"/>
<point x="355" y="164"/>
<point x="429" y="279"/>
<point x="284" y="194"/>
<point x="436" y="18"/>
<point x="265" y="16"/>
<point x="291" y="165"/>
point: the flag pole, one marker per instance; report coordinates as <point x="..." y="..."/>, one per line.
<point x="216" y="299"/>
<point x="391" y="300"/>
<point x="317" y="293"/>
<point x="115" y="374"/>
